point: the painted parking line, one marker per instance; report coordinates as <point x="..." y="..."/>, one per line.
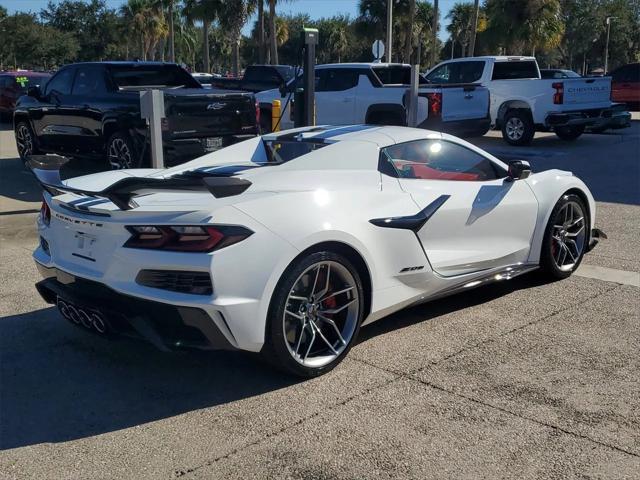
<point x="622" y="277"/>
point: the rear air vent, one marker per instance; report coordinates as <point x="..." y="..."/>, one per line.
<point x="196" y="283"/>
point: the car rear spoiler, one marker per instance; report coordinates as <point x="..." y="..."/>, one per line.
<point x="46" y="169"/>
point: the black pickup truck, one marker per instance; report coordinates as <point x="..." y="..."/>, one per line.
<point x="257" y="78"/>
<point x="93" y="110"/>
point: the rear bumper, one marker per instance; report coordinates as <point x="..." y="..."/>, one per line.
<point x="616" y="116"/>
<point x="166" y="326"/>
<point x="462" y="128"/>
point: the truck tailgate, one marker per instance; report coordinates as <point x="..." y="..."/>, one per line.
<point x="459" y="101"/>
<point x="587" y="92"/>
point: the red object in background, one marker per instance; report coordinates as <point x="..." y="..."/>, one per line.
<point x="15" y="84"/>
<point x="625" y="85"/>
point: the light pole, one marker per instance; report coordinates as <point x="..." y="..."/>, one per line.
<point x="606" y="46"/>
<point x="389" y="28"/>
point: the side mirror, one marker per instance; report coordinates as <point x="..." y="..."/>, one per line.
<point x="518" y="169"/>
<point x="34" y="92"/>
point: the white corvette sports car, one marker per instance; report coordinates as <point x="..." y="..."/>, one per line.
<point x="287" y="243"/>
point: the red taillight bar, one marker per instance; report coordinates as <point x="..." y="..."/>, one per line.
<point x="558" y="97"/>
<point x="185" y="238"/>
<point x="435" y="104"/>
<point x="45" y="213"/>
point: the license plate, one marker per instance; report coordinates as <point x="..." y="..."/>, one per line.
<point x="212" y="143"/>
<point x="85" y="245"/>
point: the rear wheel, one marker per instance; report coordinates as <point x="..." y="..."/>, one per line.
<point x="518" y="128"/>
<point x="569" y="133"/>
<point x="315" y="315"/>
<point x="565" y="238"/>
<point x="121" y="152"/>
<point x="25" y="141"/>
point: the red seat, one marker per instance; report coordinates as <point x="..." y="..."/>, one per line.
<point x="425" y="172"/>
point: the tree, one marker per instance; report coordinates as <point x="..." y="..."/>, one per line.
<point x="233" y="15"/>
<point x="461" y="26"/>
<point x="272" y="32"/>
<point x="205" y="11"/>
<point x="544" y="27"/>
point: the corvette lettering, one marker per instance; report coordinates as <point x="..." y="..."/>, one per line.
<point x="76" y="221"/>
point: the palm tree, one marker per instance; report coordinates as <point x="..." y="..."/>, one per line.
<point x="172" y="38"/>
<point x="233" y="15"/>
<point x="261" y="53"/>
<point x="544" y="25"/>
<point x="272" y="32"/>
<point x="408" y="46"/>
<point x="205" y="11"/>
<point x="461" y="25"/>
<point x="147" y="20"/>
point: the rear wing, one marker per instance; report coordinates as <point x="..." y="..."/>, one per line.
<point x="46" y="169"/>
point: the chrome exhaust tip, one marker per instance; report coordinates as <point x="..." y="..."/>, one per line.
<point x="74" y="316"/>
<point x="98" y="323"/>
<point x="85" y="319"/>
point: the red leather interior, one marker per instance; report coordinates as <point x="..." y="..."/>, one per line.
<point x="427" y="173"/>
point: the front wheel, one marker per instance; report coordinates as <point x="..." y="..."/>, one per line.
<point x="315" y="315"/>
<point x="569" y="133"/>
<point x="565" y="238"/>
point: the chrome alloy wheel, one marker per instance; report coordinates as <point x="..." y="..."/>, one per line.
<point x="321" y="314"/>
<point x="515" y="128"/>
<point x="24" y="141"/>
<point x="119" y="154"/>
<point x="568" y="236"/>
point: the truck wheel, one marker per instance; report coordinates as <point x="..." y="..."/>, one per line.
<point x="517" y="127"/>
<point x="569" y="133"/>
<point x="25" y="141"/>
<point x="121" y="152"/>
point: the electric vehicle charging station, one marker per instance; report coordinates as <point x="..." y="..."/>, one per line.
<point x="304" y="99"/>
<point x="152" y="109"/>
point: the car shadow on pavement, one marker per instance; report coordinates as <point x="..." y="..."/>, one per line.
<point x="59" y="382"/>
<point x="436" y="308"/>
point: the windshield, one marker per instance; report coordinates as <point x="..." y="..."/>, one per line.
<point x="146" y="76"/>
<point x="282" y="151"/>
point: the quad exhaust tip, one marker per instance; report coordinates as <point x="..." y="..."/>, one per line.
<point x="79" y="316"/>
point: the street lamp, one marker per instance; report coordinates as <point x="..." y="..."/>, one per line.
<point x="606" y="46"/>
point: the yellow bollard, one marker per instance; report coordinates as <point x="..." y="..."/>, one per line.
<point x="275" y="115"/>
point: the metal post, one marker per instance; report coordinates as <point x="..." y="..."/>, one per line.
<point x="606" y="46"/>
<point x="152" y="109"/>
<point x="435" y="34"/>
<point x="389" y="29"/>
<point x="412" y="116"/>
<point x="309" y="75"/>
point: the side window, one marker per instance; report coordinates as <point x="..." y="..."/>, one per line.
<point x="439" y="160"/>
<point x="469" y="72"/>
<point x="442" y="74"/>
<point x="337" y="80"/>
<point x="89" y="81"/>
<point x="61" y="82"/>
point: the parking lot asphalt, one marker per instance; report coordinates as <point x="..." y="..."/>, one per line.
<point x="522" y="379"/>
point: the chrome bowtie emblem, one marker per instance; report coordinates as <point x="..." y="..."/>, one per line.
<point x="216" y="106"/>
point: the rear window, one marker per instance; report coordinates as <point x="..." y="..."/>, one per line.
<point x="145" y="76"/>
<point x="279" y="151"/>
<point x="23" y="82"/>
<point x="272" y="75"/>
<point x="514" y="69"/>
<point x="396" y="75"/>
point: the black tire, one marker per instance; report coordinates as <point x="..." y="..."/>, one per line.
<point x="121" y="152"/>
<point x="25" y="141"/>
<point x="550" y="249"/>
<point x="569" y="133"/>
<point x="277" y="347"/>
<point x="517" y="127"/>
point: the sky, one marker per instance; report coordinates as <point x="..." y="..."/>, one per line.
<point x="315" y="9"/>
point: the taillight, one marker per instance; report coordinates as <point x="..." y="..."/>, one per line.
<point x="435" y="104"/>
<point x="558" y="97"/>
<point x="45" y="213"/>
<point x="257" y="114"/>
<point x="185" y="238"/>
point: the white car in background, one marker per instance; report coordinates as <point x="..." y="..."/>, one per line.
<point x="286" y="244"/>
<point x="522" y="102"/>
<point x="376" y="93"/>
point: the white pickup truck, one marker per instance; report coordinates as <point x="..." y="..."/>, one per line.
<point x="523" y="103"/>
<point x="375" y="93"/>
